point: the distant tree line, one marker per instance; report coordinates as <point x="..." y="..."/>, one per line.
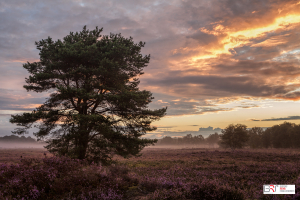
<point x="286" y="135"/>
<point x="190" y="140"/>
<point x="14" y="138"/>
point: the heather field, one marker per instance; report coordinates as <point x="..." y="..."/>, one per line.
<point x="160" y="173"/>
<point x="13" y="155"/>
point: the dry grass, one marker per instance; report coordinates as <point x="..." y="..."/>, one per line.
<point x="192" y="154"/>
<point x="12" y="156"/>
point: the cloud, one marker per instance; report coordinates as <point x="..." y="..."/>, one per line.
<point x="202" y="52"/>
<point x="290" y="96"/>
<point x="278" y="119"/>
<point x="166" y="127"/>
<point x="185" y="105"/>
<point x="195" y="86"/>
<point x="249" y="106"/>
<point x="15" y="100"/>
<point x="209" y="129"/>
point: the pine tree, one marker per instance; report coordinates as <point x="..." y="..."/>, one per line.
<point x="95" y="109"/>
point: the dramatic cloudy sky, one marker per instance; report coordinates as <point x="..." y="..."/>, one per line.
<point x="213" y="62"/>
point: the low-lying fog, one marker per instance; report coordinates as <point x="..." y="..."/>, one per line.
<point x="37" y="145"/>
<point x="6" y="145"/>
<point x="184" y="146"/>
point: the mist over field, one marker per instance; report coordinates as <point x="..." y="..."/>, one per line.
<point x="200" y="146"/>
<point x="14" y="141"/>
<point x="20" y="145"/>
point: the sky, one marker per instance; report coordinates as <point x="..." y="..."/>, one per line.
<point x="213" y="62"/>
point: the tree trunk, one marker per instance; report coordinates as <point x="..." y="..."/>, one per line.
<point x="83" y="142"/>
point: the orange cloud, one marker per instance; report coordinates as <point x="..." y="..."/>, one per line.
<point x="235" y="39"/>
<point x="25" y="60"/>
<point x="27" y="106"/>
<point x="273" y="41"/>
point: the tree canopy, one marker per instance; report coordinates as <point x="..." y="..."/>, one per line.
<point x="234" y="136"/>
<point x="95" y="109"/>
<point x="255" y="137"/>
<point x="213" y="138"/>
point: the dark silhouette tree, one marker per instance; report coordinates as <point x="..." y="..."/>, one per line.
<point x="213" y="139"/>
<point x="95" y="109"/>
<point x="234" y="136"/>
<point x="282" y="135"/>
<point x="188" y="139"/>
<point x="167" y="140"/>
<point x="266" y="138"/>
<point x="296" y="136"/>
<point x="255" y="137"/>
<point x="198" y="139"/>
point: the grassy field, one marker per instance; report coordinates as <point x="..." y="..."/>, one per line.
<point x="13" y="155"/>
<point x="162" y="173"/>
<point x="242" y="170"/>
